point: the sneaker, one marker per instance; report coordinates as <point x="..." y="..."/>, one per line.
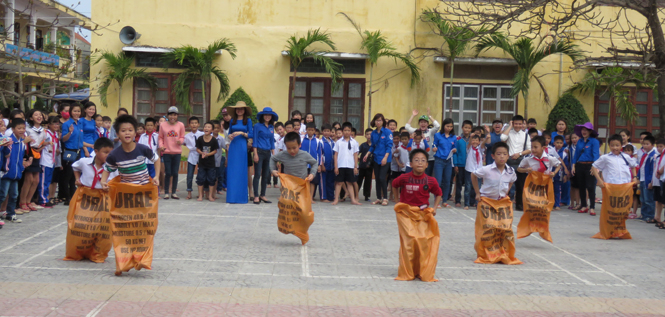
<point x="14" y="219"/>
<point x="166" y="196"/>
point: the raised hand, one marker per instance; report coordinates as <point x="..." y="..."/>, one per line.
<point x="414" y="112"/>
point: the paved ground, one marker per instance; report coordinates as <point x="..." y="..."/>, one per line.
<point x="214" y="259"/>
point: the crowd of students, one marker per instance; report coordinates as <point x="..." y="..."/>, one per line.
<point x="43" y="155"/>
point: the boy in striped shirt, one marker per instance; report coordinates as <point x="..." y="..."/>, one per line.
<point x="129" y="159"/>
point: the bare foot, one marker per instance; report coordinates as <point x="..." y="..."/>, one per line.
<point x="557" y="208"/>
<point x="276" y="186"/>
<point x="313" y="202"/>
<point x="269" y="186"/>
<point x="199" y="199"/>
<point x="335" y="202"/>
<point x="211" y="198"/>
<point x="466" y="207"/>
<point x="325" y="201"/>
<point x="356" y="203"/>
<point x="189" y="195"/>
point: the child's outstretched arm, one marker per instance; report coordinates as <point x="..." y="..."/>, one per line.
<point x="273" y="166"/>
<point x="437" y="201"/>
<point x="596" y="174"/>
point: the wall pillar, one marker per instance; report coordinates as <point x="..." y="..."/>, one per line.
<point x="32" y="32"/>
<point x="9" y="21"/>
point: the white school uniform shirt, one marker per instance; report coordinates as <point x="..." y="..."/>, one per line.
<point x="49" y="158"/>
<point x="473" y="162"/>
<point x="548" y="160"/>
<point x="614" y="168"/>
<point x="639" y="160"/>
<point x="221" y="141"/>
<point x="496" y="184"/>
<point x="638" y="155"/>
<point x="279" y="143"/>
<point x="86" y="166"/>
<point x="551" y="151"/>
<point x="152" y="142"/>
<point x="402" y="157"/>
<point x="190" y="143"/>
<point x="346" y="157"/>
<point x="658" y="162"/>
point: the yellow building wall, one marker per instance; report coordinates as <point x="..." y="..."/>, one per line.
<point x="260" y="29"/>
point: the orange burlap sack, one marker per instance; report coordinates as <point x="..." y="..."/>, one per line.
<point x="88" y="226"/>
<point x="295" y="207"/>
<point x="538" y="202"/>
<point x="495" y="241"/>
<point x="617" y="200"/>
<point x="133" y="224"/>
<point x="418" y="243"/>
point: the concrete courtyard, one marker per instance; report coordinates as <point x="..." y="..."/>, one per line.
<point x="215" y="259"/>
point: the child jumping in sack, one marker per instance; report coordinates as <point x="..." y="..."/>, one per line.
<point x="417" y="254"/>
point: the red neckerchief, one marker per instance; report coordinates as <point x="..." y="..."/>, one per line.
<point x="543" y="167"/>
<point x="418" y="145"/>
<point x="660" y="159"/>
<point x="402" y="146"/>
<point x="644" y="156"/>
<point x="477" y="155"/>
<point x="54" y="141"/>
<point x="150" y="138"/>
<point x="98" y="174"/>
<point x="547" y="150"/>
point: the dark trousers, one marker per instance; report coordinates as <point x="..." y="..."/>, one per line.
<point x="519" y="189"/>
<point x="67" y="183"/>
<point x="586" y="183"/>
<point x="365" y="177"/>
<point x="430" y="168"/>
<point x="262" y="172"/>
<point x="171" y="169"/>
<point x="381" y="174"/>
<point x="221" y="175"/>
<point x="460" y="183"/>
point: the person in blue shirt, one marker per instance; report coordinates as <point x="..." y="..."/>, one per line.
<point x="494" y="137"/>
<point x="72" y="140"/>
<point x="445" y="141"/>
<point x="586" y="152"/>
<point x="328" y="171"/>
<point x="560" y="127"/>
<point x="459" y="161"/>
<point x="382" y="144"/>
<point x="264" y="144"/>
<point x="89" y="128"/>
<point x="13" y="167"/>
<point x="311" y="145"/>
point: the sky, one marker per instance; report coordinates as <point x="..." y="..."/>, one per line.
<point x="83" y="7"/>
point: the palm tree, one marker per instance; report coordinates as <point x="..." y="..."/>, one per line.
<point x="199" y="65"/>
<point x="456" y="38"/>
<point x="299" y="49"/>
<point x="527" y="56"/>
<point x="378" y="46"/>
<point x="613" y="81"/>
<point x="119" y="69"/>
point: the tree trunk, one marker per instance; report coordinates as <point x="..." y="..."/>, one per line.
<point x="293" y="88"/>
<point x="119" y="96"/>
<point x="203" y="94"/>
<point x="659" y="59"/>
<point x="369" y="109"/>
<point x="450" y="102"/>
<point x="526" y="105"/>
<point x="21" y="89"/>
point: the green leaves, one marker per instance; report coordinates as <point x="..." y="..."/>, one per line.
<point x="119" y="69"/>
<point x="570" y="109"/>
<point x="299" y="48"/>
<point x="199" y="64"/>
<point x="456" y="37"/>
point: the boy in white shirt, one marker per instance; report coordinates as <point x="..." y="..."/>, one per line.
<point x="616" y="167"/>
<point x="538" y="160"/>
<point x="346" y="164"/>
<point x="193" y="157"/>
<point x="150" y="139"/>
<point x="47" y="162"/>
<point x="400" y="161"/>
<point x="549" y="149"/>
<point x="475" y="152"/>
<point x="88" y="170"/>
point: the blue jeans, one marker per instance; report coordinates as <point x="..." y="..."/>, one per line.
<point x="443" y="172"/>
<point x="646" y="198"/>
<point x="9" y="189"/>
<point x="221" y="175"/>
<point x="171" y="169"/>
<point x="190" y="175"/>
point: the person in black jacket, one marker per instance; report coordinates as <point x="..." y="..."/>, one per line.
<point x="365" y="167"/>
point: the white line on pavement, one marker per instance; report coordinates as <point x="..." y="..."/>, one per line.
<point x="40" y="253"/>
<point x="305" y="261"/>
<point x="97" y="309"/>
<point x="562" y="269"/>
<point x="32" y="236"/>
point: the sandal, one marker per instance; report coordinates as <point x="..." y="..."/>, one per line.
<point x="384" y="202"/>
<point x="378" y="201"/>
<point x="583" y="210"/>
<point x="651" y="221"/>
<point x="445" y="205"/>
<point x="660" y="225"/>
<point x="632" y="216"/>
